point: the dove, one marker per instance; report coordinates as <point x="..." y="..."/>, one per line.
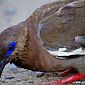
<point x="52" y="39"/>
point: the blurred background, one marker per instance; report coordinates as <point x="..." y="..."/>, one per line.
<point x="13" y="12"/>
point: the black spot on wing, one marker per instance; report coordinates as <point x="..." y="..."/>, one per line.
<point x="70" y="57"/>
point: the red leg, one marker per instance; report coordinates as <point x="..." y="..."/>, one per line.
<point x="66" y="72"/>
<point x="71" y="79"/>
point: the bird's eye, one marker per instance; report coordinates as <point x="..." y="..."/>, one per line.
<point x="11" y="47"/>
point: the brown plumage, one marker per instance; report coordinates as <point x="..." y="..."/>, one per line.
<point x="51" y="26"/>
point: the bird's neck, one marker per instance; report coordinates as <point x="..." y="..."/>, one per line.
<point x="33" y="56"/>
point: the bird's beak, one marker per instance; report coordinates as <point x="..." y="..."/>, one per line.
<point x="2" y="65"/>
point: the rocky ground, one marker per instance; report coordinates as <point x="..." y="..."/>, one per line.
<point x="17" y="76"/>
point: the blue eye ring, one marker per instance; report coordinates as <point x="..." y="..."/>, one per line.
<point x="10" y="48"/>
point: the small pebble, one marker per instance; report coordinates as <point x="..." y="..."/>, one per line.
<point x="40" y="74"/>
<point x="30" y="81"/>
<point x="19" y="80"/>
<point x="10" y="78"/>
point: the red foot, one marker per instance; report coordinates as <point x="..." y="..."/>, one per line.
<point x="66" y="72"/>
<point x="71" y="79"/>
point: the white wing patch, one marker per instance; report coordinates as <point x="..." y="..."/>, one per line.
<point x="61" y="52"/>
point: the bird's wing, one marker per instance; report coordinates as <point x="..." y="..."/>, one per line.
<point x="59" y="31"/>
<point x="63" y="55"/>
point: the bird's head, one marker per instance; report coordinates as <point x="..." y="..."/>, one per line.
<point x="5" y="53"/>
<point x="11" y="39"/>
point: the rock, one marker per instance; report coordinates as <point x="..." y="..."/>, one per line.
<point x="40" y="74"/>
<point x="9" y="78"/>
